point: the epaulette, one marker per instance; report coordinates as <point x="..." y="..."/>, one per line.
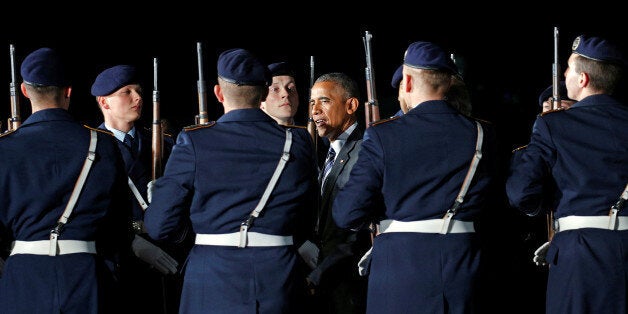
<point x="199" y="126"/>
<point x="482" y="121"/>
<point x="7" y="132"/>
<point x="384" y="120"/>
<point x="99" y="130"/>
<point x="552" y="111"/>
<point x="519" y="148"/>
<point x="293" y="126"/>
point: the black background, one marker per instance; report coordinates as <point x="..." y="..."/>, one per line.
<point x="506" y="50"/>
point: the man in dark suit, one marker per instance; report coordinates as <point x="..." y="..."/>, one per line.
<point x="246" y="183"/>
<point x="583" y="151"/>
<point x="423" y="261"/>
<point x="66" y="270"/>
<point x="334" y="98"/>
<point x="148" y="281"/>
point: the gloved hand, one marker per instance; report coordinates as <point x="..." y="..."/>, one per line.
<point x="154" y="255"/>
<point x="364" y="265"/>
<point x="540" y="255"/>
<point x="149" y="191"/>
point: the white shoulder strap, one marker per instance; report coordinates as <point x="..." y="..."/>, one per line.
<point x="467" y="180"/>
<point x="285" y="156"/>
<point x="91" y="155"/>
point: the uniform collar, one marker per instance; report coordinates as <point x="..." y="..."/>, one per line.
<point x="594" y="100"/>
<point x="49" y="115"/>
<point x="250" y="114"/>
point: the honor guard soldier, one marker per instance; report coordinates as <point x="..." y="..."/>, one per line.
<point x="248" y="185"/>
<point x="584" y="152"/>
<point x="148" y="281"/>
<point x="65" y="202"/>
<point x="433" y="168"/>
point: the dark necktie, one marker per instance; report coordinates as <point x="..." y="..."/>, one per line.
<point x="130" y="144"/>
<point x="329" y="162"/>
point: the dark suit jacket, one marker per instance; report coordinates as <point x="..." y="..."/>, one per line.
<point x="340" y="249"/>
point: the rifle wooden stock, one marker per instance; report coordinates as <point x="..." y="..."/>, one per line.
<point x="14" y="121"/>
<point x="371" y="107"/>
<point x="158" y="135"/>
<point x="202" y="117"/>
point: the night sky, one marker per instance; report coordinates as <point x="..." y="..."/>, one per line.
<point x="506" y="53"/>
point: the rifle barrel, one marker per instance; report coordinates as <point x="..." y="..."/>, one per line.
<point x="371" y="106"/>
<point x="15" y="121"/>
<point x="555" y="73"/>
<point x="202" y="93"/>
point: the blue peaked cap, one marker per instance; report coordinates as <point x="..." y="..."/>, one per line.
<point x="598" y="49"/>
<point x="44" y="67"/>
<point x="113" y="78"/>
<point x="241" y="67"/>
<point x="280" y="68"/>
<point x="429" y="56"/>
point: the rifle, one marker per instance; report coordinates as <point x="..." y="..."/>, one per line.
<point x="555" y="105"/>
<point x="158" y="135"/>
<point x="202" y="117"/>
<point x="371" y="106"/>
<point x="311" y="126"/>
<point x="14" y="121"/>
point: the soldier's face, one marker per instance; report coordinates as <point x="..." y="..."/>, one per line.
<point x="283" y="99"/>
<point x="125" y="104"/>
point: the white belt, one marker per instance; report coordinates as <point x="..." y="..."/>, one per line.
<point x="253" y="239"/>
<point x="599" y="222"/>
<point x="425" y="226"/>
<point x="63" y="246"/>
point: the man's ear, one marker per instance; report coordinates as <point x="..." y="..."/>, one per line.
<point x="102" y="102"/>
<point x="23" y="89"/>
<point x="352" y="105"/>
<point x="218" y="93"/>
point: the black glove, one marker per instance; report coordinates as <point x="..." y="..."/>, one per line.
<point x="154" y="255"/>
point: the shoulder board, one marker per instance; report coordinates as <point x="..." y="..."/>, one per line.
<point x="552" y="111"/>
<point x="384" y="120"/>
<point x="482" y="121"/>
<point x="99" y="130"/>
<point x="519" y="148"/>
<point x="7" y="132"/>
<point x="199" y="126"/>
<point x="292" y="126"/>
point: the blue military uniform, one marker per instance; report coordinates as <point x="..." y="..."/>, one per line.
<point x="584" y="151"/>
<point x="41" y="162"/>
<point x="417" y="162"/>
<point x="145" y="287"/>
<point x="216" y="176"/>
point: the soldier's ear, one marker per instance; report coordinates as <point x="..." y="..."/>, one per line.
<point x="23" y="89"/>
<point x="102" y="102"/>
<point x="218" y="93"/>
